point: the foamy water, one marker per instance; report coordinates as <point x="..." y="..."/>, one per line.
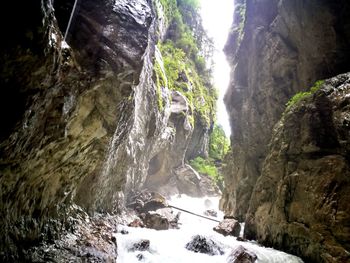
<point x="168" y="246"/>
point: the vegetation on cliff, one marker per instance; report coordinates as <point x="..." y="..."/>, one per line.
<point x="219" y="146"/>
<point x="301" y="95"/>
<point x="185" y="50"/>
<point x="186" y="53"/>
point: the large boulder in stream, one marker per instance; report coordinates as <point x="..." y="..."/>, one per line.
<point x="241" y="255"/>
<point x="141" y="245"/>
<point x="202" y="244"/>
<point x="156" y="221"/>
<point x="145" y="201"/>
<point x="228" y="227"/>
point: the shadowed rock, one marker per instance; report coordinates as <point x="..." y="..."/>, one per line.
<point x="228" y="227"/>
<point x="301" y="201"/>
<point x="141" y="245"/>
<point x="241" y="255"/>
<point x="202" y="244"/>
<point x="210" y="212"/>
<point x="156" y="221"/>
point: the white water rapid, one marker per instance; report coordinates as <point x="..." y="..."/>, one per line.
<point x="168" y="246"/>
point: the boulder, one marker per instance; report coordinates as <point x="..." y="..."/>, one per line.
<point x="136" y="223"/>
<point x="208" y="186"/>
<point x="228" y="227"/>
<point x="202" y="244"/>
<point x="188" y="180"/>
<point x="241" y="255"/>
<point x="140" y="257"/>
<point x="172" y="217"/>
<point x="141" y="245"/>
<point x="191" y="183"/>
<point x="211" y="212"/>
<point x="147" y="201"/>
<point x="156" y="221"/>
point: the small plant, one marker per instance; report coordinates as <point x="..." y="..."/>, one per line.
<point x="219" y="144"/>
<point x="206" y="166"/>
<point x="218" y="147"/>
<point x="301" y="95"/>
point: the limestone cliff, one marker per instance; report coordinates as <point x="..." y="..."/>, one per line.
<point x="301" y="201"/>
<point x="81" y="120"/>
<point x="276" y="49"/>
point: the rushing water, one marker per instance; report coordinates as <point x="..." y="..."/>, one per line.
<point x="168" y="246"/>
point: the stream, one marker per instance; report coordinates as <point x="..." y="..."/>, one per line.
<point x="168" y="246"/>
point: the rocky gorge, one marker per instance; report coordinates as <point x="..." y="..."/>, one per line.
<point x="101" y="100"/>
<point x="287" y="175"/>
<point x="89" y="116"/>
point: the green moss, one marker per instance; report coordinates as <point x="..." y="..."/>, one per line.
<point x="207" y="166"/>
<point x="204" y="166"/>
<point x="316" y="86"/>
<point x="191" y="120"/>
<point x="160" y="83"/>
<point x="184" y="64"/>
<point x="169" y="8"/>
<point x="182" y="76"/>
<point x="174" y="62"/>
<point x="301" y="95"/>
<point x="218" y="148"/>
<point x="219" y="144"/>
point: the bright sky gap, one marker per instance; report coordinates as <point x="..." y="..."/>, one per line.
<point x="217" y="19"/>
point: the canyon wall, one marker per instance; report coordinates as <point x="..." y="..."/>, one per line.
<point x="81" y="117"/>
<point x="277" y="49"/>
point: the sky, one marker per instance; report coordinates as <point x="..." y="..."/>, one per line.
<point x="217" y="18"/>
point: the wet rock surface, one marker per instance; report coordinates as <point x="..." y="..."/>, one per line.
<point x="83" y="124"/>
<point x="142" y="245"/>
<point x="300" y="202"/>
<point x="202" y="244"/>
<point x="144" y="201"/>
<point x="228" y="227"/>
<point x="241" y="255"/>
<point x="156" y="221"/>
<point x="277" y="181"/>
<point x="151" y="208"/>
<point x="82" y="239"/>
<point x="275" y="49"/>
<point x="75" y="119"/>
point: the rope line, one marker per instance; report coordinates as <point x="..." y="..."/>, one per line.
<point x="70" y="20"/>
<point x="193" y="213"/>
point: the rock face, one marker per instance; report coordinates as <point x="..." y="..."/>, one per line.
<point x="276" y="49"/>
<point x="300" y="202"/>
<point x="87" y="239"/>
<point x="81" y="118"/>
